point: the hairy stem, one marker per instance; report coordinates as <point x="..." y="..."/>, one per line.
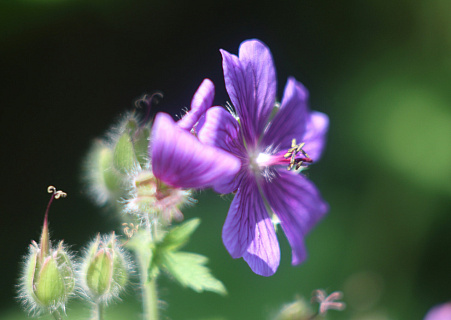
<point x="148" y="284"/>
<point x="98" y="311"/>
<point x="56" y="315"/>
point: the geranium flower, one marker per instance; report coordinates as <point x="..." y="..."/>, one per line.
<point x="265" y="190"/>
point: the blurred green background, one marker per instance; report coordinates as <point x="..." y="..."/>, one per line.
<point x="380" y="69"/>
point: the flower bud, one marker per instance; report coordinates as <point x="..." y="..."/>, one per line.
<point x="105" y="182"/>
<point x="105" y="269"/>
<point x="48" y="278"/>
<point x="297" y="310"/>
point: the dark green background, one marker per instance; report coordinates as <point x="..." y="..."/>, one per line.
<point x="380" y="69"/>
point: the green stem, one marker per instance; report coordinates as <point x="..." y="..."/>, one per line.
<point x="56" y="315"/>
<point x="98" y="311"/>
<point x="148" y="285"/>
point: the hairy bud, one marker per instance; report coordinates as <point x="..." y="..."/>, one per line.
<point x="48" y="278"/>
<point x="104" y="270"/>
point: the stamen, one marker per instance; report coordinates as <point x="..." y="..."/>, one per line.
<point x="293" y="152"/>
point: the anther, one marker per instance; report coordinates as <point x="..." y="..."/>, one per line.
<point x="293" y="152"/>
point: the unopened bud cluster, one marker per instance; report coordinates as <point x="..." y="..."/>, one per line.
<point x="104" y="270"/>
<point x="49" y="274"/>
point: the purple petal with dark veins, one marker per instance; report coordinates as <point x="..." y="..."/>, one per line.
<point x="251" y="84"/>
<point x="290" y="120"/>
<point x="220" y="129"/>
<point x="181" y="160"/>
<point x="256" y="59"/>
<point x="248" y="231"/>
<point x="298" y="205"/>
<point x="202" y="100"/>
<point x="315" y="134"/>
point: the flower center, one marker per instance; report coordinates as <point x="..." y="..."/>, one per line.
<point x="292" y="157"/>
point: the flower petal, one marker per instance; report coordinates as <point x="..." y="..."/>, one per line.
<point x="290" y="121"/>
<point x="315" y="134"/>
<point x="202" y="100"/>
<point x="248" y="231"/>
<point x="440" y="312"/>
<point x="251" y="84"/>
<point x="181" y="160"/>
<point x="298" y="205"/>
<point x="220" y="129"/>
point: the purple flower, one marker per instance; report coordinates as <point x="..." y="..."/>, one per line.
<point x="265" y="189"/>
<point x="179" y="159"/>
<point x="440" y="312"/>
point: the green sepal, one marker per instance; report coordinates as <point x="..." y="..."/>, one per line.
<point x="178" y="236"/>
<point x="131" y="126"/>
<point x="31" y="270"/>
<point x="142" y="146"/>
<point x="120" y="274"/>
<point x="50" y="284"/>
<point x="111" y="177"/>
<point x="124" y="158"/>
<point x="190" y="271"/>
<point x="100" y="273"/>
<point x="66" y="268"/>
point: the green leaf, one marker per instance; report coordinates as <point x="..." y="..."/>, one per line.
<point x="190" y="271"/>
<point x="179" y="235"/>
<point x="124" y="158"/>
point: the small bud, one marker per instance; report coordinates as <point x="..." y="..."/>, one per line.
<point x="48" y="278"/>
<point x="105" y="182"/>
<point x="297" y="310"/>
<point x="105" y="269"/>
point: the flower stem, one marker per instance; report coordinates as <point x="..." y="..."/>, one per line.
<point x="98" y="311"/>
<point x="148" y="284"/>
<point x="56" y="315"/>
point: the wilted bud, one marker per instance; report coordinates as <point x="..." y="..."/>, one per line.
<point x="48" y="277"/>
<point x="151" y="196"/>
<point x="105" y="269"/>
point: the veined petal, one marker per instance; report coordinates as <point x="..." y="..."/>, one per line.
<point x="181" y="160"/>
<point x="202" y="100"/>
<point x="220" y="129"/>
<point x="248" y="231"/>
<point x="298" y="205"/>
<point x="256" y="59"/>
<point x="290" y="120"/>
<point x="315" y="134"/>
<point x="251" y="84"/>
